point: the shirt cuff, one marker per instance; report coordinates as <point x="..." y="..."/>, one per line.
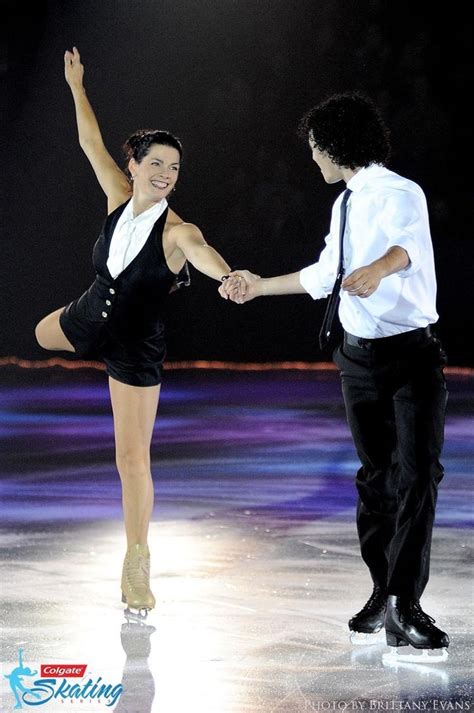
<point x="413" y="252"/>
<point x="309" y="280"/>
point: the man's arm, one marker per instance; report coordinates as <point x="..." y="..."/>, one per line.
<point x="364" y="281"/>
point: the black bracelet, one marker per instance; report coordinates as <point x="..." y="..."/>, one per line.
<point x="224" y="278"/>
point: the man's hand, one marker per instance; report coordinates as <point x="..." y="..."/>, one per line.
<point x="364" y="281"/>
<point x="240" y="286"/>
<point x="73" y="69"/>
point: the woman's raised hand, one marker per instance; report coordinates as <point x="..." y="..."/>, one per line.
<point x="73" y="69"/>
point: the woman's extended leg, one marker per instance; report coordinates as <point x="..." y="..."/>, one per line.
<point x="49" y="334"/>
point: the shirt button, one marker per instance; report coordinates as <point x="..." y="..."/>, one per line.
<point x="104" y="314"/>
<point x="112" y="291"/>
<point x="108" y="303"/>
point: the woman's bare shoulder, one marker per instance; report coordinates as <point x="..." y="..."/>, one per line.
<point x="173" y="219"/>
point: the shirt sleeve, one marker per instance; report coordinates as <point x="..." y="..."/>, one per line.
<point x="403" y="221"/>
<point x="318" y="279"/>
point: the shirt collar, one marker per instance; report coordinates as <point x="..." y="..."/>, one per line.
<point x="364" y="176"/>
<point x="152" y="213"/>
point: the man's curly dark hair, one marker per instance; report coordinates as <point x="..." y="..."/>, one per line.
<point x="349" y="129"/>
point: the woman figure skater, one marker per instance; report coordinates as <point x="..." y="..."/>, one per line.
<point x="141" y="249"/>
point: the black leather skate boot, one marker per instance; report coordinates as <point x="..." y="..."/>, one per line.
<point x="371" y="617"/>
<point x="406" y="623"/>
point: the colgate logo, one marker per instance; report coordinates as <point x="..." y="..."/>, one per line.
<point x="64" y="670"/>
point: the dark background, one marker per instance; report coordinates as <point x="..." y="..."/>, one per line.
<point x="231" y="78"/>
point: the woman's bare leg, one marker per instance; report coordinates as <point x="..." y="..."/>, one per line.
<point x="134" y="409"/>
<point x="49" y="334"/>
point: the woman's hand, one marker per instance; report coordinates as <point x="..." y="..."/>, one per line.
<point x="240" y="287"/>
<point x="73" y="69"/>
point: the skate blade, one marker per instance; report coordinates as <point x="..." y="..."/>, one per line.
<point x="425" y="656"/>
<point x="133" y="614"/>
<point x="136" y="620"/>
<point x="359" y="638"/>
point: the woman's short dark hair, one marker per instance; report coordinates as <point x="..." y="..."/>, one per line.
<point x="349" y="129"/>
<point x="139" y="143"/>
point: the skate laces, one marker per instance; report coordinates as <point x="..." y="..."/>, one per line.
<point x="419" y="615"/>
<point x="137" y="572"/>
<point x="376" y="599"/>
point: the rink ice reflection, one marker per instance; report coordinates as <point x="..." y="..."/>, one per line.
<point x="255" y="562"/>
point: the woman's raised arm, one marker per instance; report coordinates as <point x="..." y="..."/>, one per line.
<point x="112" y="179"/>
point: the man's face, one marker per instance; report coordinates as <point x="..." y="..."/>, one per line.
<point x="330" y="170"/>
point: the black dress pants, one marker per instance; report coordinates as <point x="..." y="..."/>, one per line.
<point x="395" y="396"/>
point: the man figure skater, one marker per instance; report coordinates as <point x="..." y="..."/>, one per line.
<point x="379" y="252"/>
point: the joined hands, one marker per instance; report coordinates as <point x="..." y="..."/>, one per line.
<point x="241" y="286"/>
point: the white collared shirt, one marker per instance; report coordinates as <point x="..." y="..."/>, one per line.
<point x="384" y="210"/>
<point x="130" y="235"/>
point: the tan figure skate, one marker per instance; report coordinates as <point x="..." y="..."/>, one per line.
<point x="136" y="591"/>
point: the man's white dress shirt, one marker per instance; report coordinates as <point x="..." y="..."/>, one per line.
<point x="384" y="210"/>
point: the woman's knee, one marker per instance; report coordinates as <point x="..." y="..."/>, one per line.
<point x="49" y="334"/>
<point x="41" y="334"/>
<point x="133" y="463"/>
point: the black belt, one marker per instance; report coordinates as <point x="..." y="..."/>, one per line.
<point x="414" y="335"/>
